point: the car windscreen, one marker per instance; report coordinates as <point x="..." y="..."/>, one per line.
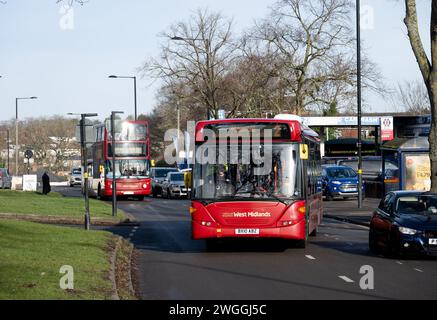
<point x="423" y="204"/>
<point x="177" y="177"/>
<point x="162" y="173"/>
<point x="340" y="173"/>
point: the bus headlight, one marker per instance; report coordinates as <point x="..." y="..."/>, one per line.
<point x="145" y="186"/>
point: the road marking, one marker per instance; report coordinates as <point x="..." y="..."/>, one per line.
<point x="310" y="257"/>
<point x="346" y="279"/>
<point x="134" y="230"/>
<point x="418" y="270"/>
<point x="400" y="263"/>
<point x="129" y="239"/>
<point x="131" y="235"/>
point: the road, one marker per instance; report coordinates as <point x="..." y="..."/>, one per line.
<point x="172" y="266"/>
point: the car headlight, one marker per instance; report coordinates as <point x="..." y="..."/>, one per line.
<point x="337" y="183"/>
<point x="407" y="231"/>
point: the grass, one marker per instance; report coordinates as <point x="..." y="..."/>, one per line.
<point x="54" y="204"/>
<point x="32" y="254"/>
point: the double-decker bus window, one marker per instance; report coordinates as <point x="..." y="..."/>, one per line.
<point x="127" y="131"/>
<point x="127" y="169"/>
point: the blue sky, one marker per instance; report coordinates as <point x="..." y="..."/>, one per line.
<point x="68" y="69"/>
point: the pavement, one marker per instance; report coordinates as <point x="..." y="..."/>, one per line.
<point x="172" y="266"/>
<point x="348" y="211"/>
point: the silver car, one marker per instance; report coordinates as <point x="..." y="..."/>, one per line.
<point x="75" y="177"/>
<point x="174" y="186"/>
<point x="5" y="179"/>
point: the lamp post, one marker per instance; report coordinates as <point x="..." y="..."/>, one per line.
<point x="135" y="89"/>
<point x="114" y="180"/>
<point x="83" y="117"/>
<point x="17" y="149"/>
<point x="207" y="48"/>
<point x="359" y="145"/>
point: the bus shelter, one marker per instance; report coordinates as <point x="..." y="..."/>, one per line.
<point x="411" y="156"/>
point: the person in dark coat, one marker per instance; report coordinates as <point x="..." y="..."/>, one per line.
<point x="46" y="184"/>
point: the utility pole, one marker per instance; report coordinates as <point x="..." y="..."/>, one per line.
<point x="114" y="179"/>
<point x="83" y="148"/>
<point x="359" y="144"/>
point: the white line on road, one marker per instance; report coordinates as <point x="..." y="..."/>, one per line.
<point x="131" y="235"/>
<point x="419" y="270"/>
<point x="134" y="230"/>
<point x="310" y="257"/>
<point x="346" y="279"/>
<point x="399" y="263"/>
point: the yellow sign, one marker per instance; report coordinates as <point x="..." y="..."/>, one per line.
<point x="152" y="162"/>
<point x="102" y="169"/>
<point x="187" y="179"/>
<point x="304" y="154"/>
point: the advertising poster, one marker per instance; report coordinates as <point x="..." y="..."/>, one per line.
<point x="418" y="172"/>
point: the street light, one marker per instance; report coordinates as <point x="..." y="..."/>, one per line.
<point x="135" y="89"/>
<point x="84" y="163"/>
<point x="114" y="182"/>
<point x="16" y="130"/>
<point x="360" y="158"/>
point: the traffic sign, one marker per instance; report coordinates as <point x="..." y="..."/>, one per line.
<point x="28" y="154"/>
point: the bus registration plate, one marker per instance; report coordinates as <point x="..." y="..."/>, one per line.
<point x="246" y="231"/>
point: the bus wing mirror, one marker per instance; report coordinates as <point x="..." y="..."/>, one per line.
<point x="304" y="152"/>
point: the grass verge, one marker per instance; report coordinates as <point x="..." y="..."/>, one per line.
<point x="32" y="254"/>
<point x="54" y="204"/>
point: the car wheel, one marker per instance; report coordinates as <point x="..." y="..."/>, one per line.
<point x="329" y="197"/>
<point x="169" y="196"/>
<point x="154" y="193"/>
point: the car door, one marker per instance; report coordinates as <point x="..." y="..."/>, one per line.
<point x="382" y="220"/>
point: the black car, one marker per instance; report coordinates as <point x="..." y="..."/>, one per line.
<point x="405" y="222"/>
<point x="158" y="176"/>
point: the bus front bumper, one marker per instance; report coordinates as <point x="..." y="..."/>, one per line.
<point x="294" y="232"/>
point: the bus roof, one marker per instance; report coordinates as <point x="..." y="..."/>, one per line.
<point x="296" y="127"/>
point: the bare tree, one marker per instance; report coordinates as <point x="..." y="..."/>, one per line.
<point x="315" y="49"/>
<point x="199" y="58"/>
<point x="428" y="68"/>
<point x="412" y="97"/>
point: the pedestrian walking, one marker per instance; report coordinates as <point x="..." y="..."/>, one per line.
<point x="46" y="184"/>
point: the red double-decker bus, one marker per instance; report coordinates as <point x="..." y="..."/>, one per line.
<point x="132" y="160"/>
<point x="256" y="178"/>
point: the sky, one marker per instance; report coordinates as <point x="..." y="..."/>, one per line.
<point x="65" y="58"/>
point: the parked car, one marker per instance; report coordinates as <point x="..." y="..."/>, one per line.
<point x="372" y="167"/>
<point x="174" y="186"/>
<point x="158" y="176"/>
<point x="405" y="222"/>
<point x="5" y="179"/>
<point x="75" y="177"/>
<point x="339" y="181"/>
